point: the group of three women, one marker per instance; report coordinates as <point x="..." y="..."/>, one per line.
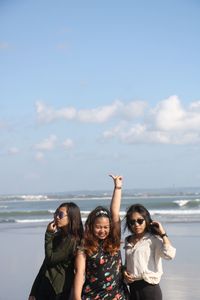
<point x="87" y="264"/>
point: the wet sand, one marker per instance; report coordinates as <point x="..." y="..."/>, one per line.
<point x="22" y="252"/>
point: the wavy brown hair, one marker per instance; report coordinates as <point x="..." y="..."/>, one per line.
<point x="91" y="243"/>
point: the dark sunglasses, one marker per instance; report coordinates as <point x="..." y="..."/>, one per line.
<point x="59" y="214"/>
<point x="138" y="221"/>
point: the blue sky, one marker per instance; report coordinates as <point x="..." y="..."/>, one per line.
<point x="89" y="88"/>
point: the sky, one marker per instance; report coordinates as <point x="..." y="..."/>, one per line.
<point x="89" y="88"/>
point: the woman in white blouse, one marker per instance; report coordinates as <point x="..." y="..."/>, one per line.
<point x="144" y="250"/>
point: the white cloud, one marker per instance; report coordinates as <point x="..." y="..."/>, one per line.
<point x="68" y="144"/>
<point x="133" y="109"/>
<point x="47" y="144"/>
<point x="97" y="115"/>
<point x="39" y="156"/>
<point x="115" y="131"/>
<point x="169" y="122"/>
<point x="135" y="134"/>
<point x="100" y="114"/>
<point x="139" y="134"/>
<point x="47" y="114"/>
<point x="13" y="151"/>
<point x="195" y="106"/>
<point x="169" y="114"/>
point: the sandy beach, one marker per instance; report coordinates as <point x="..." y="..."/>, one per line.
<point x="22" y="252"/>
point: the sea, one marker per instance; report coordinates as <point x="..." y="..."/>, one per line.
<point x="24" y="217"/>
<point x="165" y="205"/>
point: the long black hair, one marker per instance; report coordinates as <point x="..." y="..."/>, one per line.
<point x="139" y="208"/>
<point x="75" y="226"/>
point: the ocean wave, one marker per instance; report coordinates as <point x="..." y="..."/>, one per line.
<point x="34" y="197"/>
<point x="25" y="213"/>
<point x="187" y="202"/>
<point x="44" y="216"/>
<point x="7" y="221"/>
<point x="54" y="197"/>
<point x="181" y="202"/>
<point x="85" y="212"/>
<point x="40" y="208"/>
<point x="23" y="197"/>
<point x="33" y="221"/>
<point x="176" y="212"/>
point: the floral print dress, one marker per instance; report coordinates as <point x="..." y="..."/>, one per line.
<point x="104" y="277"/>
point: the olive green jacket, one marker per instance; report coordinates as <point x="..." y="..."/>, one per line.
<point x="58" y="265"/>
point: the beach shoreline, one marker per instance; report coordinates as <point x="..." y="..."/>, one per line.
<point x="22" y="253"/>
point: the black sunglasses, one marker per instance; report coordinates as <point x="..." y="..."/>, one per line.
<point x="138" y="221"/>
<point x="59" y="214"/>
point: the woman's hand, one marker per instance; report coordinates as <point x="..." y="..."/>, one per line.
<point x="116" y="199"/>
<point x="117" y="180"/>
<point x="158" y="227"/>
<point x="129" y="278"/>
<point x="51" y="227"/>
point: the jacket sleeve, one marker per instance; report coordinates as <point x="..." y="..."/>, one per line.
<point x="62" y="253"/>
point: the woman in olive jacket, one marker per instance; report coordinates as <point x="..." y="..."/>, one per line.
<point x="55" y="278"/>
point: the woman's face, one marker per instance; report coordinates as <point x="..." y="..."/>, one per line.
<point x="61" y="217"/>
<point x="101" y="228"/>
<point x="137" y="223"/>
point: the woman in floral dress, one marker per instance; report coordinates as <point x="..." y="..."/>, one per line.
<point x="98" y="262"/>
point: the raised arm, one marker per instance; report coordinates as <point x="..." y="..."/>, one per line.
<point x="116" y="197"/>
<point x="167" y="251"/>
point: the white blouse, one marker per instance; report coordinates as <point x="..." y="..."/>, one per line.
<point x="144" y="259"/>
